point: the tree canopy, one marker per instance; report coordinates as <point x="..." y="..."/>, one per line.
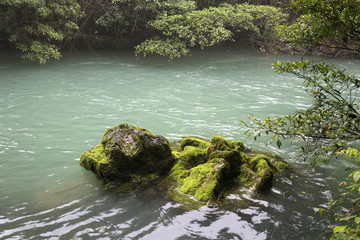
<point x="210" y="26"/>
<point x="122" y="23"/>
<point x="324" y="26"/>
<point x="39" y="28"/>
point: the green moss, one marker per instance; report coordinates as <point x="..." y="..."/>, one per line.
<point x="281" y="166"/>
<point x="201" y="182"/>
<point x="98" y="162"/>
<point x="233" y="157"/>
<point x="226" y="169"/>
<point x="255" y="160"/>
<point x="273" y="163"/>
<point x="176" y="154"/>
<point x="180" y="171"/>
<point x="205" y="180"/>
<point x="206" y="171"/>
<point x="223" y="154"/>
<point x="194" y="155"/>
<point x="195" y="142"/>
<point x="246" y="175"/>
<point x="97" y="154"/>
<point x="237" y="145"/>
<point x="264" y="174"/>
<point x="128" y="153"/>
<point x="244" y="157"/>
<point x="259" y="171"/>
<point x="220" y="143"/>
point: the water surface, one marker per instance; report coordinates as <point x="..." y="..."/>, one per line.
<point x="50" y="114"/>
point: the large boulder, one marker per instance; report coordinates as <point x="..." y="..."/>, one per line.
<point x="128" y="154"/>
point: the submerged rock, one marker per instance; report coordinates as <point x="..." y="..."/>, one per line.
<point x="130" y="157"/>
<point x="128" y="154"/>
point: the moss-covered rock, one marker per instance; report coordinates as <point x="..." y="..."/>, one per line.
<point x="264" y="174"/>
<point x="99" y="163"/>
<point x="194" y="156"/>
<point x="195" y="142"/>
<point x="180" y="170"/>
<point x="193" y="152"/>
<point x="205" y="180"/>
<point x="259" y="172"/>
<point x="221" y="144"/>
<point x="130" y="158"/>
<point x="206" y="168"/>
<point x="128" y="153"/>
<point x="137" y="149"/>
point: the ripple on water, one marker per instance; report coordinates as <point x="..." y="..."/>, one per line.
<point x="51" y="114"/>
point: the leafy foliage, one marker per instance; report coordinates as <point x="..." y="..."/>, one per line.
<point x="349" y="197"/>
<point x="131" y="14"/>
<point x="124" y="19"/>
<point x="330" y="25"/>
<point x="330" y="124"/>
<point x="38" y="28"/>
<point x="210" y="26"/>
<point x="172" y="48"/>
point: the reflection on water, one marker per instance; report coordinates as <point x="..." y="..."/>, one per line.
<point x="284" y="212"/>
<point x="50" y="114"/>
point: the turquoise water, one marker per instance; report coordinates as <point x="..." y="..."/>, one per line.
<point x="50" y="114"/>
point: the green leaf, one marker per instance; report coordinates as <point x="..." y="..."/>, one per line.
<point x="356" y="175"/>
<point x="339" y="229"/>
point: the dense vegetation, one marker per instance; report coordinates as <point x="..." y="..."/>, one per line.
<point x="41" y="29"/>
<point x="38" y="28"/>
<point x="330" y="27"/>
<point x="210" y="26"/>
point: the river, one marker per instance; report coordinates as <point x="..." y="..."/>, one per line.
<point x="50" y="114"/>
